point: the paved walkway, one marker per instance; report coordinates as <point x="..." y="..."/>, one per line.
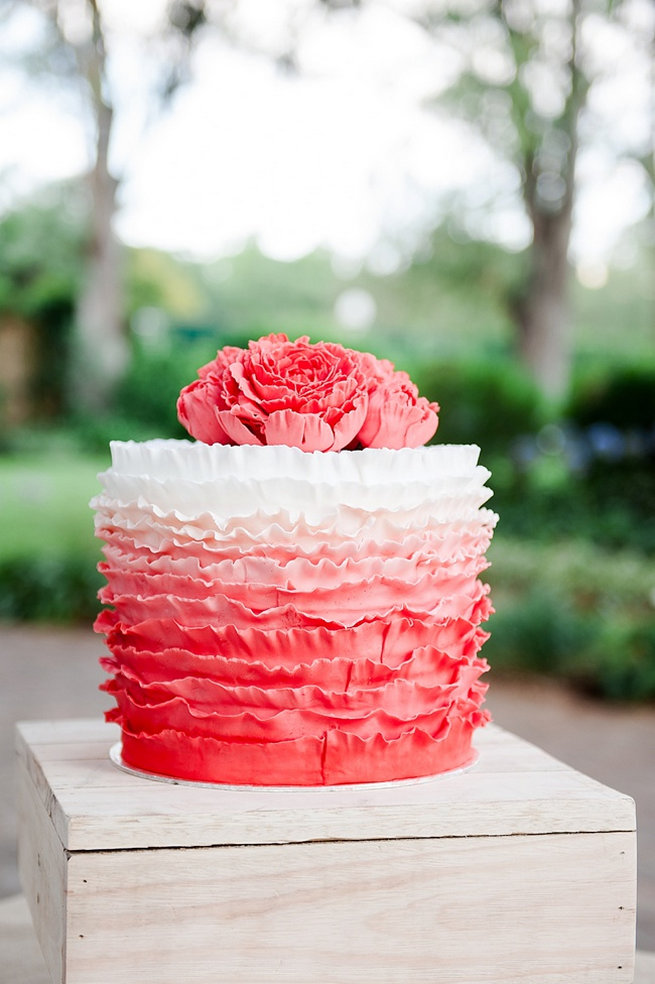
<point x="53" y="673"/>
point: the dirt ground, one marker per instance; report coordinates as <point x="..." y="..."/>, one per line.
<point x="53" y="673"/>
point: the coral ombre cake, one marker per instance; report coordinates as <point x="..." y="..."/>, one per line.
<point x="295" y="597"/>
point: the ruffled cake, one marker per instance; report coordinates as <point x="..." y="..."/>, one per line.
<point x="278" y="615"/>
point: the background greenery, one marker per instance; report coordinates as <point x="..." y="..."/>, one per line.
<point x="572" y="573"/>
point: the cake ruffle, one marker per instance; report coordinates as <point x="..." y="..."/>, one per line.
<point x="169" y="459"/>
<point x="333" y="640"/>
<point x="221" y="608"/>
<point x="286" y="570"/>
<point x="341" y="603"/>
<point x="166" y="536"/>
<point x="386" y="642"/>
<point x="426" y="665"/>
<point x="203" y="698"/>
<point x="278" y="726"/>
<point x="449" y="496"/>
<point x="333" y="759"/>
<point x="171" y="549"/>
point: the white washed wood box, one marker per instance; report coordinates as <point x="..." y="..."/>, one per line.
<point x="520" y="870"/>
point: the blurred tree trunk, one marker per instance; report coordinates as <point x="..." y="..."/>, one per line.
<point x="79" y="52"/>
<point x="543" y="311"/>
<point x="102" y="347"/>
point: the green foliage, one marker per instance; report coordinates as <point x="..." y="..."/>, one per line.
<point x="452" y="300"/>
<point x="44" y="498"/>
<point x="596" y="582"/>
<point x="575" y="611"/>
<point x="59" y="588"/>
<point x="544" y="633"/>
<point x="611" y="418"/>
<point x="575" y="506"/>
<point x="623" y="396"/>
<point x="144" y="405"/>
<point x="154" y="279"/>
<point x="472" y="267"/>
<point x="148" y="393"/>
<point x="622" y="664"/>
<point x="615" y="321"/>
<point x="487" y="403"/>
<point x="40" y="248"/>
<point x="92" y="434"/>
<point x="538" y="631"/>
<point x="589" y="477"/>
<point x="48" y="553"/>
<point x="623" y="492"/>
<point x="251" y="295"/>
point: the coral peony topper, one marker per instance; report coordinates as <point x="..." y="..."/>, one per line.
<point x="316" y="397"/>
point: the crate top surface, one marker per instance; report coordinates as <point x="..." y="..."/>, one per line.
<point x="514" y="788"/>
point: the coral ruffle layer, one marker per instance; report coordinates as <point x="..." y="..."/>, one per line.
<point x="283" y="618"/>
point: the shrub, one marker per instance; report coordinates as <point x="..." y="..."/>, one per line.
<point x="148" y="393"/>
<point x="621" y="665"/>
<point x="144" y="405"/>
<point x="615" y="417"/>
<point x="489" y="404"/>
<point x="575" y="611"/>
<point x="537" y="632"/>
<point x="49" y="589"/>
<point x="623" y="397"/>
<point x="607" y="513"/>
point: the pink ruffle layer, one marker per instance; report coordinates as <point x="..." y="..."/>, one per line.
<point x="239" y="656"/>
<point x="333" y="759"/>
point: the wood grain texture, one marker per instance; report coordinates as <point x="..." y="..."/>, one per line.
<point x="521" y="871"/>
<point x="537" y="910"/>
<point x="22" y="962"/>
<point x="515" y="788"/>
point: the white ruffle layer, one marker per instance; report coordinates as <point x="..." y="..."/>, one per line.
<point x="199" y="462"/>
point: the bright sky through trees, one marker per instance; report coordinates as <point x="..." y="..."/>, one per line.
<point x="344" y="154"/>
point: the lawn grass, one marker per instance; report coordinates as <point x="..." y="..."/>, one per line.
<point x="44" y="504"/>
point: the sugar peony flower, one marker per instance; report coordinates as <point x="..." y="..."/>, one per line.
<point x="313" y="397"/>
<point x="397" y="417"/>
<point x="320" y="397"/>
<point x="197" y="403"/>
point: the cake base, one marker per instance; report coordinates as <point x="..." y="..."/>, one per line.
<point x="115" y="754"/>
<point x="519" y="870"/>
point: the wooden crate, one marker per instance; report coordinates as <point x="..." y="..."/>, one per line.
<point x="520" y="870"/>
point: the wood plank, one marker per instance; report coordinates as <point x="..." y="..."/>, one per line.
<point x="96" y="817"/>
<point x="42" y="865"/>
<point x="22" y="960"/>
<point x="535" y="910"/>
<point x="515" y="788"/>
